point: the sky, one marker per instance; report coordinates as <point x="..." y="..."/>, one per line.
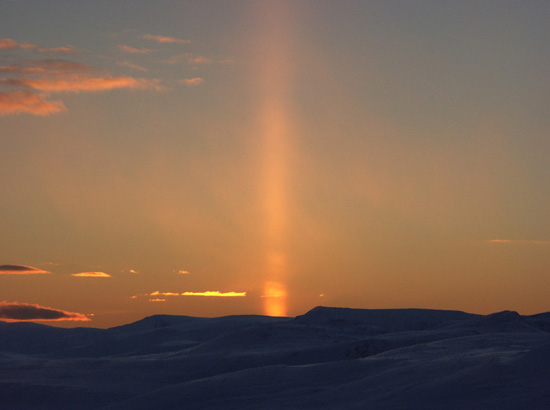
<point x="212" y="158"/>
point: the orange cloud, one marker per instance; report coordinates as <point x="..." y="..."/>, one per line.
<point x="78" y="83"/>
<point x="165" y="39"/>
<point x="132" y="50"/>
<point x="183" y="272"/>
<point x="91" y="275"/>
<point x="214" y="293"/>
<point x="517" y="241"/>
<point x="189" y="58"/>
<point x="210" y="293"/>
<point x="198" y="60"/>
<point x="20" y="270"/>
<point x="131" y="66"/>
<point x="17" y="312"/>
<point x="9" y="44"/>
<point x="191" y="82"/>
<point x="26" y="102"/>
<point x="56" y="65"/>
<point x="157" y="300"/>
<point x="157" y="293"/>
<point x="54" y="75"/>
<point x="48" y="67"/>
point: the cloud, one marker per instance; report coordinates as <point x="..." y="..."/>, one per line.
<point x="51" y="263"/>
<point x="20" y="270"/>
<point x="78" y="83"/>
<point x="132" y="50"/>
<point x="157" y="300"/>
<point x="214" y="293"/>
<point x="19" y="102"/>
<point x="210" y="293"/>
<point x="157" y="293"/>
<point x="91" y="275"/>
<point x="192" y="59"/>
<point x="47" y="66"/>
<point x="61" y="65"/>
<point x="183" y="272"/>
<point x="26" y="87"/>
<point x="519" y="241"/>
<point x="191" y="82"/>
<point x="131" y="66"/>
<point x="9" y="44"/>
<point x="165" y="39"/>
<point x="133" y="271"/>
<point x="14" y="311"/>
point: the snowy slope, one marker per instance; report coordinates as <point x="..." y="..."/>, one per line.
<point x="329" y="358"/>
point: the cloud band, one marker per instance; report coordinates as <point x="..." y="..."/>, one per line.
<point x="15" y="312"/>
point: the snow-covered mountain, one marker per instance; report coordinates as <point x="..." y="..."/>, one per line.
<point x="328" y="358"/>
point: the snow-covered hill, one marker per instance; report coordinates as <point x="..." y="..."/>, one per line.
<point x="328" y="358"/>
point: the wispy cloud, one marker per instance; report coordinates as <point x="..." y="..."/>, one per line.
<point x="9" y="44"/>
<point x="214" y="293"/>
<point x="91" y="275"/>
<point x="189" y="58"/>
<point x="25" y="102"/>
<point x="519" y="241"/>
<point x="78" y="83"/>
<point x="20" y="270"/>
<point x="46" y="66"/>
<point x="157" y="293"/>
<point x="14" y="312"/>
<point x="133" y="50"/>
<point x="183" y="272"/>
<point x="165" y="39"/>
<point x="210" y="293"/>
<point x="131" y="66"/>
<point x="26" y="87"/>
<point x="191" y="82"/>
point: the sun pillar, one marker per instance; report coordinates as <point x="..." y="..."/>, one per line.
<point x="276" y="125"/>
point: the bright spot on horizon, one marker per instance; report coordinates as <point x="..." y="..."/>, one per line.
<point x="274" y="299"/>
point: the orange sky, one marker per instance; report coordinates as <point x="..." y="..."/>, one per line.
<point x="255" y="157"/>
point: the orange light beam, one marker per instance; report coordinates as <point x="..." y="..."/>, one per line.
<point x="274" y="83"/>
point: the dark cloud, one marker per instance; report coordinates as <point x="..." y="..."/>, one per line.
<point x="20" y="270"/>
<point x="14" y="311"/>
